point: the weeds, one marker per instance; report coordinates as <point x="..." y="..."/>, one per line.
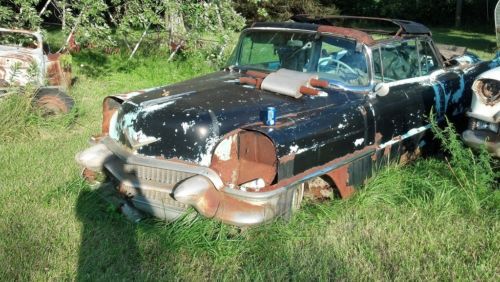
<point x="21" y="120"/>
<point x="471" y="172"/>
<point x="461" y="183"/>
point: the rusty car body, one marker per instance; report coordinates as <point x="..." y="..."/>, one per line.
<point x="23" y="61"/>
<point x="346" y="105"/>
<point x="484" y="113"/>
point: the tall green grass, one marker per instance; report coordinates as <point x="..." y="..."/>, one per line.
<point x="21" y="119"/>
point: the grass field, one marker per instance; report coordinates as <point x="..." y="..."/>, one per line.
<point x="432" y="220"/>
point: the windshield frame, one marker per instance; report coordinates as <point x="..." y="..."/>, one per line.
<point x="34" y="34"/>
<point x="233" y="61"/>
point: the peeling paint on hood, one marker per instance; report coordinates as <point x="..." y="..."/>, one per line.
<point x="190" y="118"/>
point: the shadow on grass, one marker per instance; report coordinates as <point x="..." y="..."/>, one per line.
<point x="108" y="248"/>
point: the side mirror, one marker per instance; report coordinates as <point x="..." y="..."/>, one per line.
<point x="381" y="89"/>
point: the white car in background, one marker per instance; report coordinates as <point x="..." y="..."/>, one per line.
<point x="485" y="113"/>
<point x="24" y="60"/>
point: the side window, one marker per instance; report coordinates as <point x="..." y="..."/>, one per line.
<point x="399" y="61"/>
<point x="377" y="65"/>
<point x="428" y="61"/>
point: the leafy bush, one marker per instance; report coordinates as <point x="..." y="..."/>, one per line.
<point x="282" y="10"/>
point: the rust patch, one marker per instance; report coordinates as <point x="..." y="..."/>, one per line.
<point x="287" y="158"/>
<point x="348" y="32"/>
<point x="110" y="105"/>
<point x="88" y="175"/>
<point x="410" y="156"/>
<point x="301" y="175"/>
<point x="229" y="209"/>
<point x="53" y="105"/>
<point x="257" y="157"/>
<point x="340" y="177"/>
<point x="248" y="155"/>
<point x="226" y="162"/>
<point x="56" y="74"/>
<point x="72" y="45"/>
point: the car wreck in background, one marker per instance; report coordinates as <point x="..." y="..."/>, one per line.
<point x="345" y="105"/>
<point x="485" y="113"/>
<point x="24" y="61"/>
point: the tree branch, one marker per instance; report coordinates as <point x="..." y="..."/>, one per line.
<point x="139" y="42"/>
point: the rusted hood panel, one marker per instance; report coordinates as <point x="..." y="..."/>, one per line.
<point x="187" y="120"/>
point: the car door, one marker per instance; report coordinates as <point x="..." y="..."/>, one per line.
<point x="401" y="115"/>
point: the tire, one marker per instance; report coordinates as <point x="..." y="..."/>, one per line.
<point x="53" y="101"/>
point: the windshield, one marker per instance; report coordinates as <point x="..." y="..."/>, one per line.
<point x="332" y="58"/>
<point x="18" y="39"/>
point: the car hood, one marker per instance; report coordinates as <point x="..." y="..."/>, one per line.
<point x="186" y="121"/>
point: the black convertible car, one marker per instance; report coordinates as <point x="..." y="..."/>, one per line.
<point x="345" y="102"/>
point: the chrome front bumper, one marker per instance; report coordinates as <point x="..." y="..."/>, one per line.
<point x="166" y="188"/>
<point x="478" y="138"/>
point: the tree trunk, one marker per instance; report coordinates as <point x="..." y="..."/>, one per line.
<point x="44" y="8"/>
<point x="458" y="13"/>
<point x="64" y="15"/>
<point x="140" y="41"/>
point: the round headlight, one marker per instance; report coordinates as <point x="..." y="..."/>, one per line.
<point x="488" y="91"/>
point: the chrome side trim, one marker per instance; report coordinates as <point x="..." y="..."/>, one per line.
<point x="271" y="194"/>
<point x="130" y="158"/>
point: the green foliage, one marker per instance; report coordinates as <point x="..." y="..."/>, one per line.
<point x="473" y="174"/>
<point x="6" y="15"/>
<point x="66" y="60"/>
<point x="20" y="14"/>
<point x="429" y="12"/>
<point x="106" y="25"/>
<point x="90" y="16"/>
<point x="282" y="10"/>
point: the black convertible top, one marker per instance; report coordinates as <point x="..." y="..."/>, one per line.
<point x="405" y="27"/>
<point x="290" y="25"/>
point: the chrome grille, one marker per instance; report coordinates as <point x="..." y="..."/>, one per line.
<point x="159" y="197"/>
<point x="158" y="175"/>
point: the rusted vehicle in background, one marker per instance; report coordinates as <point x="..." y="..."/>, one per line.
<point x="484" y="114"/>
<point x="346" y="104"/>
<point x="24" y="60"/>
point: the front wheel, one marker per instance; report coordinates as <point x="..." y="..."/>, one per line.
<point x="53" y="101"/>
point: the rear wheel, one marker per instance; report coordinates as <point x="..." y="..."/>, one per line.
<point x="53" y="101"/>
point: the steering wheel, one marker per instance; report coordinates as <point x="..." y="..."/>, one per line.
<point x="324" y="62"/>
